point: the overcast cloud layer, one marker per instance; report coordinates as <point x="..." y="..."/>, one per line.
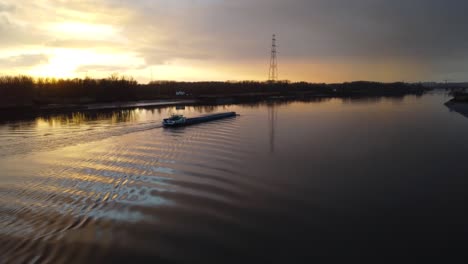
<point x="319" y="40"/>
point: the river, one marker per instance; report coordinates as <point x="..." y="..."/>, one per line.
<point x="283" y="182"/>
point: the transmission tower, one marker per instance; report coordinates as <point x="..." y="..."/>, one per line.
<point x="273" y="73"/>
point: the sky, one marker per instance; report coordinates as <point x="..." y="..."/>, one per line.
<point x="220" y="40"/>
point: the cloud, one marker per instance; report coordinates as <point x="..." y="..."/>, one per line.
<point x="101" y="68"/>
<point x="163" y="55"/>
<point x="429" y="34"/>
<point x="14" y="34"/>
<point x="22" y="61"/>
<point x="307" y="29"/>
<point x="5" y="7"/>
<point x="82" y="44"/>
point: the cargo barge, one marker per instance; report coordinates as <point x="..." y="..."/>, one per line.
<point x="180" y="120"/>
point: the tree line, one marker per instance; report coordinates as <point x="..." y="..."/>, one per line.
<point x="22" y="91"/>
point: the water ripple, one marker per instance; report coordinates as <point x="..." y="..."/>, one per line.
<point x="152" y="181"/>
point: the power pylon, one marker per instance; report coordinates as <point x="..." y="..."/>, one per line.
<point x="273" y="73"/>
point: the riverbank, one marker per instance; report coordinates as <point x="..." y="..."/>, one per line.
<point x="459" y="106"/>
<point x="460" y="97"/>
<point x="210" y="99"/>
<point x="29" y="94"/>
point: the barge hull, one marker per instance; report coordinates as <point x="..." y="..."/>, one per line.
<point x="203" y="119"/>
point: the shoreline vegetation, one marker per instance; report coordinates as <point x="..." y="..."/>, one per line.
<point x="460" y="97"/>
<point x="24" y="93"/>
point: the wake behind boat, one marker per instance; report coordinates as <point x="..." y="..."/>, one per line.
<point x="180" y="120"/>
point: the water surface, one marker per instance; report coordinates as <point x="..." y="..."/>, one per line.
<point x="282" y="182"/>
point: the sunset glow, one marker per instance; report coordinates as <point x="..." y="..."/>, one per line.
<point x="207" y="40"/>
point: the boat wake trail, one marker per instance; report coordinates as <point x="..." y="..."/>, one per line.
<point x="23" y="141"/>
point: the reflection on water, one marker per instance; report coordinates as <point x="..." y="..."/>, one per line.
<point x="57" y="130"/>
<point x="347" y="179"/>
<point x="272" y="119"/>
<point x="81" y="118"/>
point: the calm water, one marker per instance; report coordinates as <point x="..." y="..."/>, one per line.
<point x="283" y="182"/>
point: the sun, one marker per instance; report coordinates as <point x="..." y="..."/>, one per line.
<point x="67" y="62"/>
<point x="63" y="63"/>
<point x="73" y="63"/>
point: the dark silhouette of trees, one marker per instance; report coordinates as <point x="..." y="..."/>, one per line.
<point x="24" y="91"/>
<point x="16" y="91"/>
